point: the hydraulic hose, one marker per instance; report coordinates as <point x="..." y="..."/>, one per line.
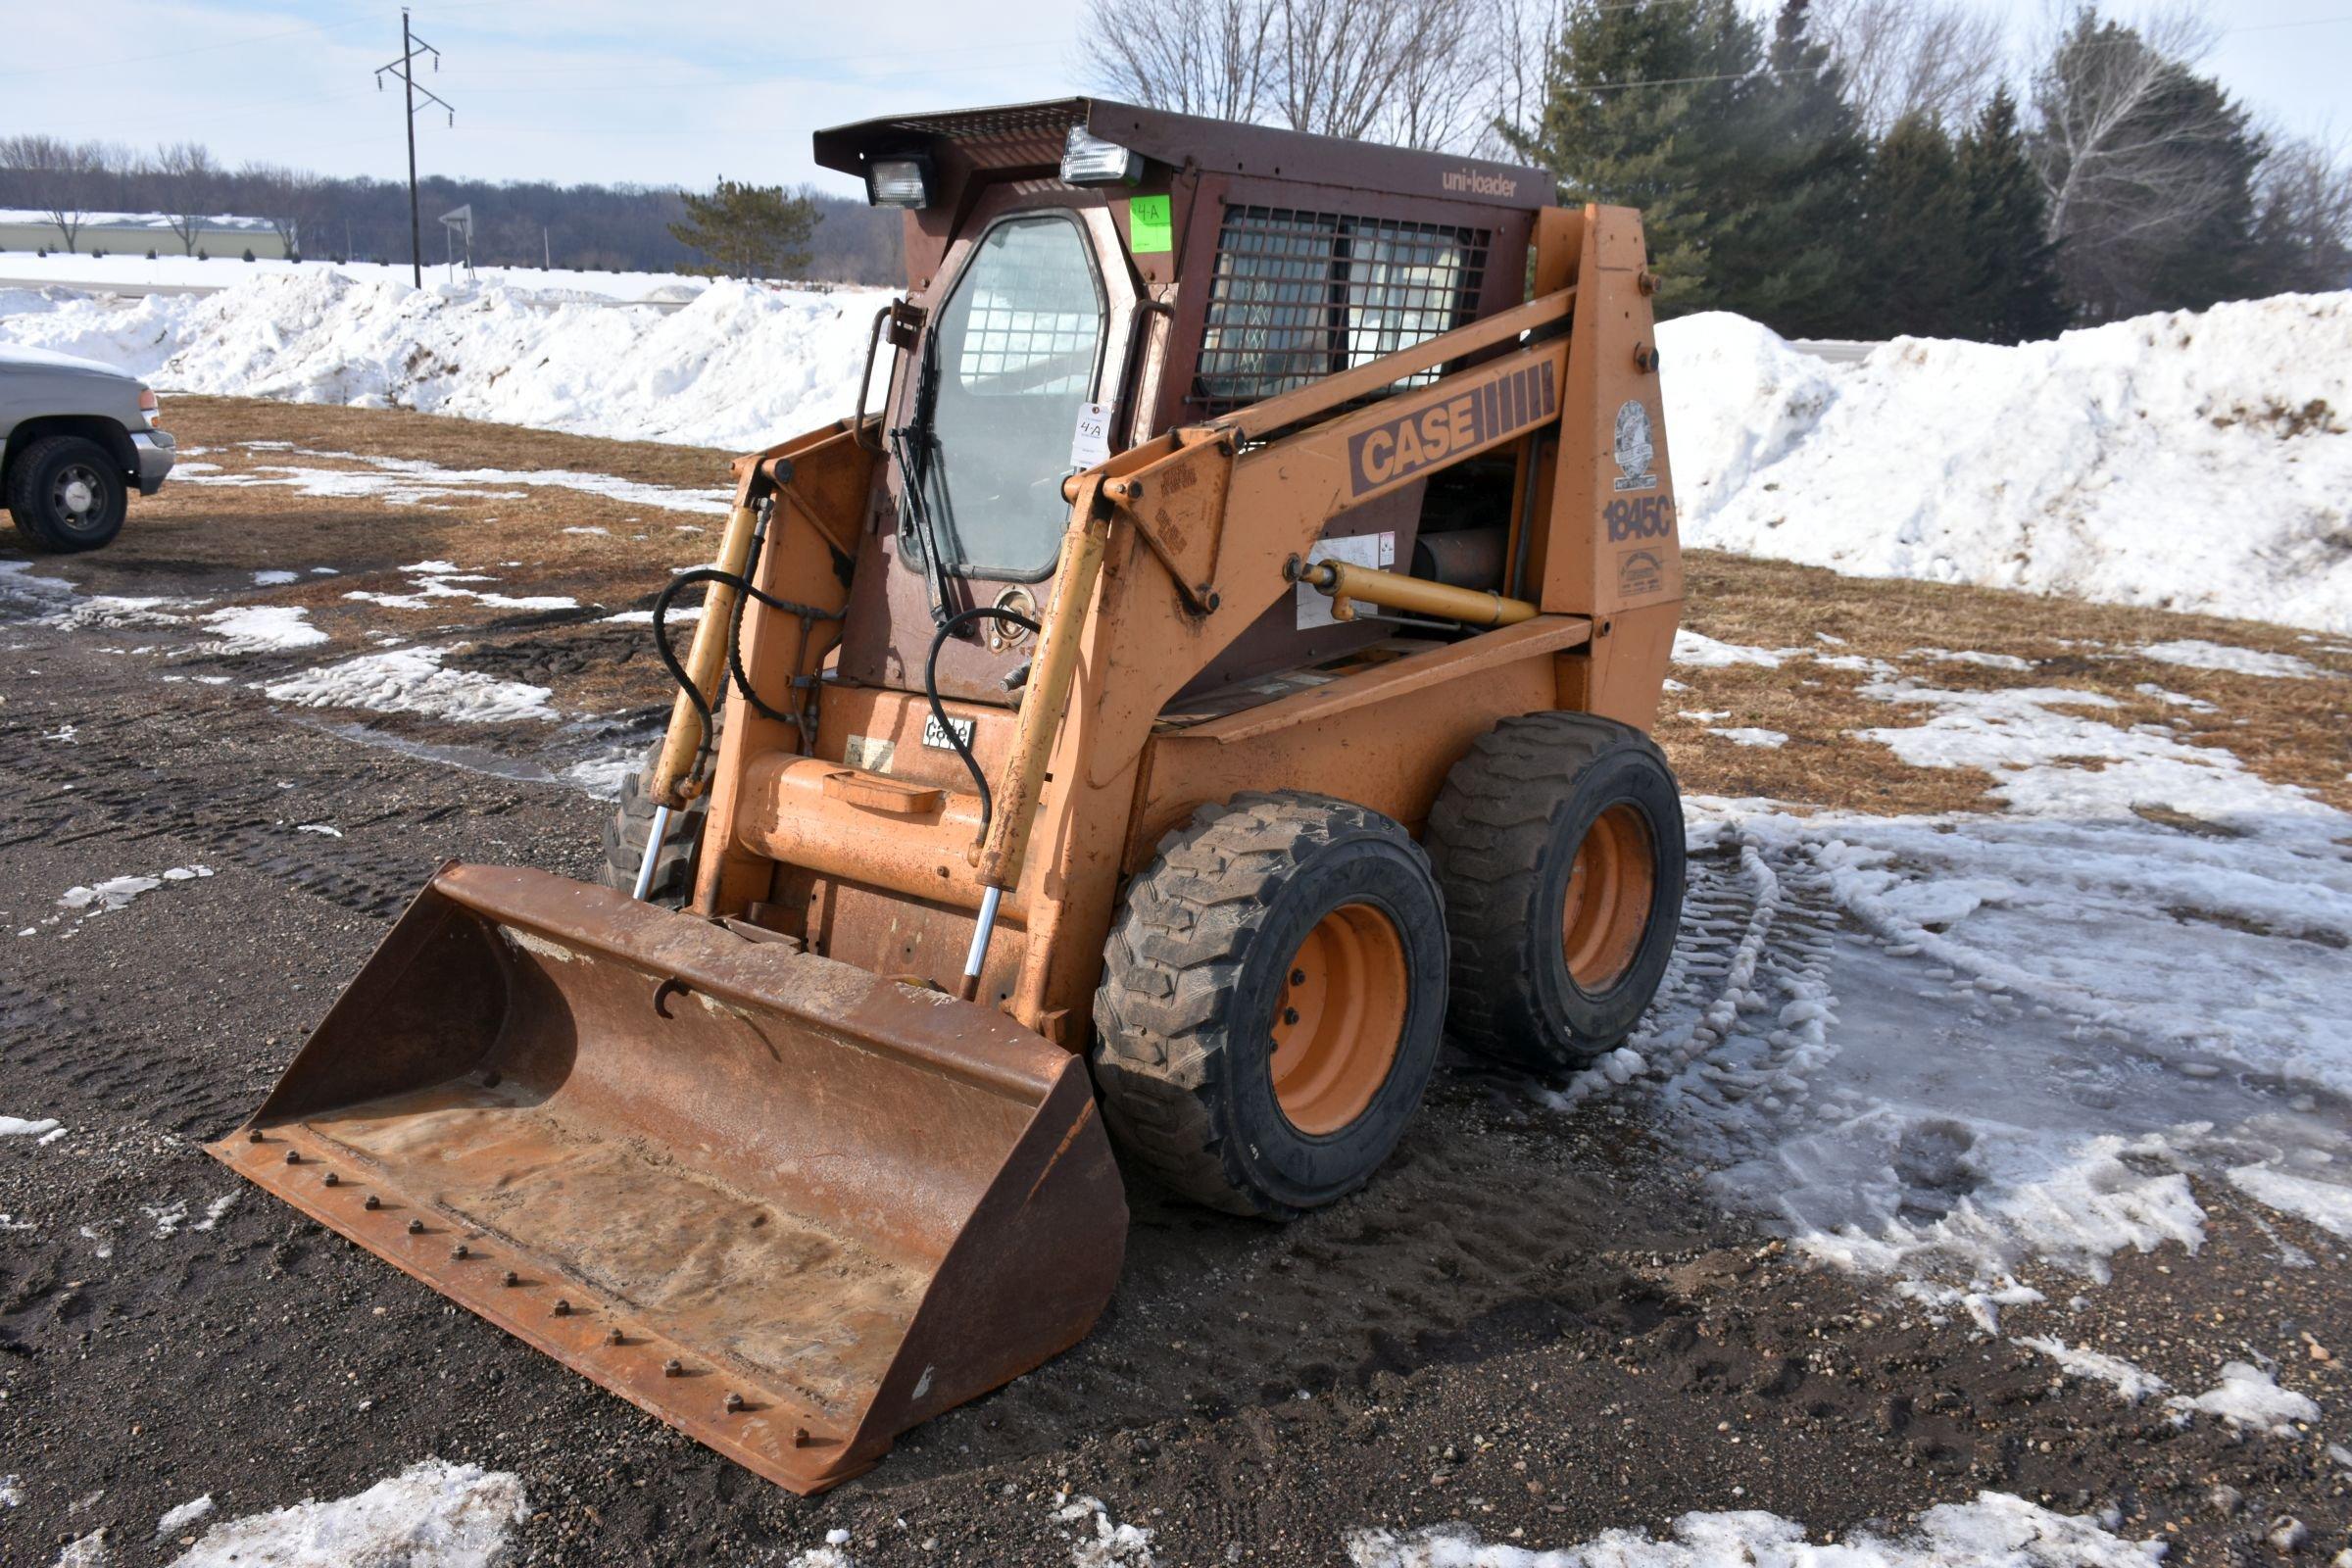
<point x="939" y="713"/>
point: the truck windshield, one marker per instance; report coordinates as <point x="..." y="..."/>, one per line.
<point x="1018" y="343"/>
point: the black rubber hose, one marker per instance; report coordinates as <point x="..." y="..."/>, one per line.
<point x="670" y="658"/>
<point x="939" y="639"/>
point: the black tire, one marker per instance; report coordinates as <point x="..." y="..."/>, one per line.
<point x="1198" y="971"/>
<point x="626" y="831"/>
<point x="1504" y="837"/>
<point x="67" y="493"/>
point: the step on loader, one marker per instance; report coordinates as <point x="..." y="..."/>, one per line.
<point x="1217" y="666"/>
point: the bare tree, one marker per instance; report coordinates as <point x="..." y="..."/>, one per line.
<point x="289" y="197"/>
<point x="189" y="179"/>
<point x="1412" y="70"/>
<point x="2108" y="164"/>
<point x="1195" y="56"/>
<point x="1936" y="59"/>
<point x="1523" y="36"/>
<point x="62" y="176"/>
<point x="2305" y="192"/>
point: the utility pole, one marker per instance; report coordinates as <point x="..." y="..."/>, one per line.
<point x="410" y="46"/>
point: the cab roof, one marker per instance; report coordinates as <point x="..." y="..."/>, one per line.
<point x="1029" y="137"/>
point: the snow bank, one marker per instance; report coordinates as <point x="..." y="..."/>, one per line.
<point x="120" y="269"/>
<point x="431" y="1515"/>
<point x="2194" y="461"/>
<point x="740" y="365"/>
<point x="1995" y="1530"/>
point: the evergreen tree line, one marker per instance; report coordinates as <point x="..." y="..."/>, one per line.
<point x="2126" y="181"/>
<point x="518" y="223"/>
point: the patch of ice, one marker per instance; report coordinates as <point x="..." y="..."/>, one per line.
<point x="1997" y="1530"/>
<point x="678" y="616"/>
<point x="431" y="1515"/>
<point x="411" y="680"/>
<point x="216" y="1209"/>
<point x="1769" y="739"/>
<point x="589" y="530"/>
<point x="187" y="1513"/>
<point x="275" y="578"/>
<point x="20" y="1127"/>
<point x="84" y="1551"/>
<point x="168" y="1218"/>
<point x="2131" y="1383"/>
<point x="1102" y="1542"/>
<point x="1706" y="653"/>
<point x="322" y="829"/>
<point x="445" y="584"/>
<point x="2249" y="1396"/>
<point x="2326" y="1205"/>
<point x="2173" y="699"/>
<point x="1945" y="655"/>
<point x="260" y="628"/>
<point x="116" y="891"/>
<point x="12" y="1492"/>
<point x="2197" y="655"/>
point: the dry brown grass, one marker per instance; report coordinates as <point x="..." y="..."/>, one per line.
<point x="2287" y="731"/>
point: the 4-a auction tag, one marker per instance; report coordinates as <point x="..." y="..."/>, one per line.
<point x="1089" y="442"/>
<point x="933" y="735"/>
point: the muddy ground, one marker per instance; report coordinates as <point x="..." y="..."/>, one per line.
<point x="1534" y="1322"/>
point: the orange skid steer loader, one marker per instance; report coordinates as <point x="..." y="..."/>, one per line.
<point x="1219" y="668"/>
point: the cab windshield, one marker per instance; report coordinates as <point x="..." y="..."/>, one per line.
<point x="1015" y="350"/>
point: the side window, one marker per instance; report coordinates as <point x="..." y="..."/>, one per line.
<point x="1298" y="295"/>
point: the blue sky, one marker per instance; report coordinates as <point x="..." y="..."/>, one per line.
<point x="683" y="92"/>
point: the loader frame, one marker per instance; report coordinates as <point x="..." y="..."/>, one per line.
<point x="1173" y="548"/>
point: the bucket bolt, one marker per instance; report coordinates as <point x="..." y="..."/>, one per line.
<point x="293" y="1156"/>
<point x="253" y="1134"/>
<point x="415" y="1227"/>
<point x="458" y="1251"/>
<point x="333" y="1180"/>
<point x="373" y="1202"/>
<point x="734" y="1403"/>
<point x="511" y="1279"/>
<point x="563" y="1308"/>
<point x="800" y="1436"/>
<point x="671" y="1369"/>
<point x="612" y="1336"/>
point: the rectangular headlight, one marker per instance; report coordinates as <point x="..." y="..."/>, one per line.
<point x="1088" y="160"/>
<point x="899" y="181"/>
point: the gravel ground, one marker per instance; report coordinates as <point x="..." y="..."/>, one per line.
<point x="1533" y="1323"/>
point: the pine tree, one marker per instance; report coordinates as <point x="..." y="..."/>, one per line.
<point x="748" y="231"/>
<point x="1664" y="149"/>
<point x="1922" y="273"/>
<point x="2016" y="293"/>
<point x="1789" y="252"/>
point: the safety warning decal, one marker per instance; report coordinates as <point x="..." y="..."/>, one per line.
<point x="1635" y="449"/>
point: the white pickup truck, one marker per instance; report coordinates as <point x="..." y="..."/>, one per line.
<point x="75" y="437"/>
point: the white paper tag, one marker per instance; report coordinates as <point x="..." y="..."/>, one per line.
<point x="1089" y="442"/>
<point x="1378" y="550"/>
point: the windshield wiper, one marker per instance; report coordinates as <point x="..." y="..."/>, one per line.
<point x="907" y="442"/>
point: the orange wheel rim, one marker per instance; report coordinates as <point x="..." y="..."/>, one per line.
<point x="1339" y="1020"/>
<point x="1610" y="889"/>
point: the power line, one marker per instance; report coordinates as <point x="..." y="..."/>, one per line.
<point x="411" y="48"/>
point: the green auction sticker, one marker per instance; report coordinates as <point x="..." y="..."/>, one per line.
<point x="1149" y="226"/>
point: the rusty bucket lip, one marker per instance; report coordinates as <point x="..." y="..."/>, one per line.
<point x="761" y="1436"/>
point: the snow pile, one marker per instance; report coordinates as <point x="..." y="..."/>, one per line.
<point x="2195" y="461"/>
<point x="263" y="629"/>
<point x="411" y="680"/>
<point x="2249" y="1396"/>
<point x="740" y="365"/>
<point x="431" y="1515"/>
<point x="2326" y="1204"/>
<point x="1995" y="1530"/>
<point x="18" y="1127"/>
<point x="120" y="269"/>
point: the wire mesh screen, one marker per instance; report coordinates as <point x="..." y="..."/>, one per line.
<point x="1298" y="295"/>
<point x="1031" y="319"/>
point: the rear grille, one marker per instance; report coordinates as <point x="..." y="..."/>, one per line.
<point x="1297" y="296"/>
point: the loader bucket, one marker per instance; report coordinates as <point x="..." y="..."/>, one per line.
<point x="790" y="1207"/>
